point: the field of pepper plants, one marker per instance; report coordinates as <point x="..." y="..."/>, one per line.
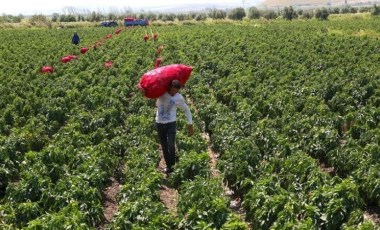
<point x="292" y="108"/>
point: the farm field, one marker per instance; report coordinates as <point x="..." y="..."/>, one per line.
<point x="291" y="109"/>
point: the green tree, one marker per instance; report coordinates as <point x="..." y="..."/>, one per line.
<point x="151" y="16"/>
<point x="217" y="14"/>
<point x="254" y="13"/>
<point x="345" y="10"/>
<point x="307" y="14"/>
<point x="336" y="10"/>
<point x="322" y="14"/>
<point x="376" y="10"/>
<point x="237" y="14"/>
<point x="182" y="17"/>
<point x="201" y="17"/>
<point x="270" y="14"/>
<point x="38" y="18"/>
<point x="289" y="13"/>
<point x="70" y="18"/>
<point x="111" y="16"/>
<point x="55" y="17"/>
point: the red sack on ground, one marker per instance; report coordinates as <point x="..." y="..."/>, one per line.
<point x="71" y="57"/>
<point x="146" y="37"/>
<point x="47" y="69"/>
<point x="157" y="63"/>
<point x="118" y="31"/>
<point x="159" y="49"/>
<point x="65" y="59"/>
<point x="156" y="82"/>
<point x="83" y="50"/>
<point x="108" y="64"/>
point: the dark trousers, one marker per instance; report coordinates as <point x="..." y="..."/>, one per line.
<point x="166" y="135"/>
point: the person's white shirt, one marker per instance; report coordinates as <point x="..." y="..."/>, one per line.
<point x="167" y="108"/>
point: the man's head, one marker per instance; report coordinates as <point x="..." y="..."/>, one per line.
<point x="174" y="87"/>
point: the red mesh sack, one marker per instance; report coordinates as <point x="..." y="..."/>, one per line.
<point x="84" y="50"/>
<point x="156" y="82"/>
<point x="65" y="59"/>
<point x="47" y="69"/>
<point x="157" y="63"/>
<point x="71" y="57"/>
<point x="108" y="64"/>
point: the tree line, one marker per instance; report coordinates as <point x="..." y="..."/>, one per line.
<point x="239" y="13"/>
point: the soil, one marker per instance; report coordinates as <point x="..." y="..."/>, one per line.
<point x="327" y="169"/>
<point x="372" y="214"/>
<point x="168" y="196"/>
<point x="110" y="206"/>
<point x="235" y="200"/>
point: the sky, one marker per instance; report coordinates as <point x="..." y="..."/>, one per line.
<point x="28" y="7"/>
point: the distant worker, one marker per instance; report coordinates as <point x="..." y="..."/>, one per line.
<point x="75" y="38"/>
<point x="166" y="117"/>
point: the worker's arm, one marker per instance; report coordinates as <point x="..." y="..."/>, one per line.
<point x="187" y="111"/>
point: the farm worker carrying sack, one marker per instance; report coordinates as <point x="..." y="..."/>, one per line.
<point x="166" y="116"/>
<point x="164" y="84"/>
<point x="75" y="39"/>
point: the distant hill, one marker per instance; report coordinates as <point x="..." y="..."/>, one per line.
<point x="314" y="3"/>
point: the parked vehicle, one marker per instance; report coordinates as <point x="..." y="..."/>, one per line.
<point x="128" y="21"/>
<point x="109" y="24"/>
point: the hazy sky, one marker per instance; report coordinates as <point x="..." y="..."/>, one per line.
<point x="44" y="6"/>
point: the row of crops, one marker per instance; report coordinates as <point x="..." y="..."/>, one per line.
<point x="277" y="99"/>
<point x="283" y="103"/>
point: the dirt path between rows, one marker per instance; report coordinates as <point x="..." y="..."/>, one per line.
<point x="168" y="195"/>
<point x="235" y="201"/>
<point x="372" y="214"/>
<point x="110" y="205"/>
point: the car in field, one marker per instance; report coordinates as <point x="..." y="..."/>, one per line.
<point x="108" y="24"/>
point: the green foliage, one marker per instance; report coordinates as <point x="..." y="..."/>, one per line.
<point x="237" y="14"/>
<point x="376" y="10"/>
<point x="190" y="165"/>
<point x="322" y="14"/>
<point x="69" y="217"/>
<point x="217" y="14"/>
<point x="201" y="205"/>
<point x="253" y="13"/>
<point x="277" y="99"/>
<point x="234" y="222"/>
<point x="289" y="13"/>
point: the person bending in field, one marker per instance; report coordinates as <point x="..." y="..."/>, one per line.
<point x="75" y="39"/>
<point x="166" y="116"/>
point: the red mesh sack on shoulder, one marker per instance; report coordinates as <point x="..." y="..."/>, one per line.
<point x="156" y="82"/>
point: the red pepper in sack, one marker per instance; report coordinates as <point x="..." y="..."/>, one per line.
<point x="83" y="50"/>
<point x="118" y="31"/>
<point x="157" y="63"/>
<point x="47" y="69"/>
<point x="146" y="37"/>
<point x="65" y="59"/>
<point x="159" y="49"/>
<point x="156" y="82"/>
<point x="71" y="57"/>
<point x="108" y="64"/>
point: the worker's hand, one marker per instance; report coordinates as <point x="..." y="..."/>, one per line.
<point x="191" y="129"/>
